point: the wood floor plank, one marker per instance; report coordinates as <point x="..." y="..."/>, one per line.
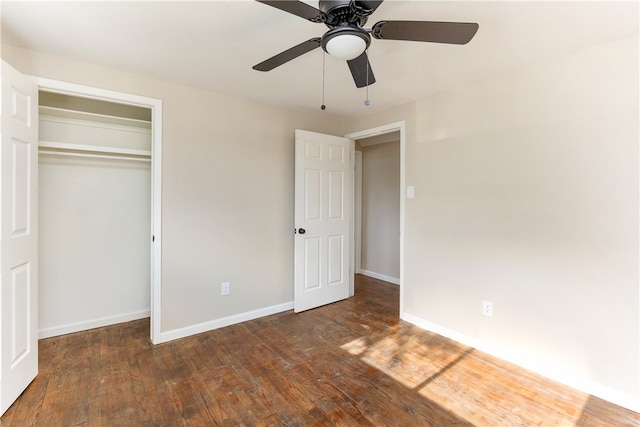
<point x="352" y="363"/>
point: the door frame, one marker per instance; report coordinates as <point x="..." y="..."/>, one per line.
<point x="381" y="130"/>
<point x="155" y="105"/>
<point x="357" y="213"/>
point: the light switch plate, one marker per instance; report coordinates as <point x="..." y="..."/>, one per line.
<point x="410" y="192"/>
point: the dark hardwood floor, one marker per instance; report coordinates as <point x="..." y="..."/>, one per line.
<point x="353" y="363"/>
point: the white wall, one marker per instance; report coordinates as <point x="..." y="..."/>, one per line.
<point x="227" y="195"/>
<point x="381" y="211"/>
<point x="527" y="195"/>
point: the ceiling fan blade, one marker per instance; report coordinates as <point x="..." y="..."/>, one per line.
<point x="288" y="55"/>
<point x="368" y="6"/>
<point x="361" y="71"/>
<point x="425" y="31"/>
<point x="297" y="8"/>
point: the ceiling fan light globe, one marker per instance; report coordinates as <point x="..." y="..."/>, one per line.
<point x="346" y="46"/>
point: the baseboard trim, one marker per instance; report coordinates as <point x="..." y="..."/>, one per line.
<point x="394" y="280"/>
<point x="616" y="397"/>
<point x="222" y="322"/>
<point x="91" y="324"/>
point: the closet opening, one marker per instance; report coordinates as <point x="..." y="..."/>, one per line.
<point x="96" y="213"/>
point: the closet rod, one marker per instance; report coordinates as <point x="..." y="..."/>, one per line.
<point x="93" y="156"/>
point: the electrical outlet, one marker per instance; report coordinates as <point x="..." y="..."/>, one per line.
<point x="487" y="308"/>
<point x="224" y="289"/>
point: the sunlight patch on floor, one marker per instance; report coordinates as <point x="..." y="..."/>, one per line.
<point x="400" y="357"/>
<point x="356" y="347"/>
<point x="454" y="378"/>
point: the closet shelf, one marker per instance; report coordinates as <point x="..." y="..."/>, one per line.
<point x="95" y="117"/>
<point x="94" y="151"/>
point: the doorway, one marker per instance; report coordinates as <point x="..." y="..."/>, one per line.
<point x="377" y="222"/>
<point x="381" y="135"/>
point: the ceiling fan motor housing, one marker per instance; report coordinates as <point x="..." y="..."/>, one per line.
<point x="342" y="12"/>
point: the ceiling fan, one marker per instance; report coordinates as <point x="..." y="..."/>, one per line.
<point x="347" y="38"/>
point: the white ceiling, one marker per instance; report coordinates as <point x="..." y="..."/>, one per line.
<point x="213" y="44"/>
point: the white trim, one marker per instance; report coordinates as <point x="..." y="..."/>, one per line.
<point x="380" y="130"/>
<point x="66" y="88"/>
<point x="156" y="222"/>
<point x="352" y="266"/>
<point x="394" y="280"/>
<point x="91" y="324"/>
<point x="156" y="174"/>
<point x="357" y="182"/>
<point x="619" y="398"/>
<point x="222" y="322"/>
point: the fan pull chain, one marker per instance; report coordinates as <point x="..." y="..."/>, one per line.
<point x="323" y="107"/>
<point x="366" y="101"/>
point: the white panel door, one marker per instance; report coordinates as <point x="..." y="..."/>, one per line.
<point x="323" y="214"/>
<point x="18" y="235"/>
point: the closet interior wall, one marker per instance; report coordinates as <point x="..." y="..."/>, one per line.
<point x="94" y="213"/>
<point x="379" y="222"/>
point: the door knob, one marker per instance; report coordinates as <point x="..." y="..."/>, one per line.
<point x="301" y="231"/>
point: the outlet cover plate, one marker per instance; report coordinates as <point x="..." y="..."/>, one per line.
<point x="487" y="308"/>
